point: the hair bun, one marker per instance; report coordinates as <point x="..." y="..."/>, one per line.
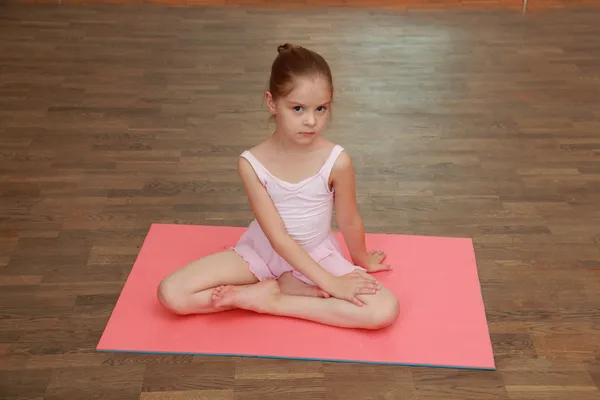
<point x="285" y="46"/>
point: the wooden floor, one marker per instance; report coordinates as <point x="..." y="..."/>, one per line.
<point x="388" y="5"/>
<point x="479" y="124"/>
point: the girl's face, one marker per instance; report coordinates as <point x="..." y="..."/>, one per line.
<point x="302" y="115"/>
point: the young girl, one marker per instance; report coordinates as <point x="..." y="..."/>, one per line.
<point x="288" y="263"/>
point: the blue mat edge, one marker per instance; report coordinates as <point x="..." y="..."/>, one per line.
<point x="463" y="367"/>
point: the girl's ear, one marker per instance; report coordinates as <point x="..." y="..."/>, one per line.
<point x="270" y="102"/>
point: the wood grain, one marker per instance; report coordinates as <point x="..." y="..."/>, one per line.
<point x="384" y="5"/>
<point x="461" y="123"/>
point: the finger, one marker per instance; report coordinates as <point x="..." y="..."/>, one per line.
<point x="382" y="267"/>
<point x="365" y="286"/>
<point x="367" y="290"/>
<point x="372" y="287"/>
<point x="376" y="254"/>
<point x="357" y="301"/>
<point x="376" y="288"/>
<point x="379" y="256"/>
<point x="373" y="284"/>
<point x="369" y="283"/>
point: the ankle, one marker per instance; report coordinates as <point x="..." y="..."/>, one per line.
<point x="272" y="304"/>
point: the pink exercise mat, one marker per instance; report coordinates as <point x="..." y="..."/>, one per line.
<point x="442" y="321"/>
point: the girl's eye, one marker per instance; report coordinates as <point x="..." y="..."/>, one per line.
<point x="319" y="109"/>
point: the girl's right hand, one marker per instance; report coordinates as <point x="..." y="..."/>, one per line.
<point x="347" y="287"/>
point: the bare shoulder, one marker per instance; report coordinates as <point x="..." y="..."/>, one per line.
<point x="261" y="149"/>
<point x="322" y="150"/>
<point x="342" y="181"/>
<point x="258" y="151"/>
<point x="343" y="162"/>
<point x="343" y="165"/>
<point x="325" y="144"/>
<point x="342" y="172"/>
<point x="245" y="167"/>
<point x="248" y="175"/>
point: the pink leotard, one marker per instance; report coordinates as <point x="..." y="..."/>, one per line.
<point x="306" y="208"/>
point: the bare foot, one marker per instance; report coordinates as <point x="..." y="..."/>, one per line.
<point x="290" y="285"/>
<point x="256" y="297"/>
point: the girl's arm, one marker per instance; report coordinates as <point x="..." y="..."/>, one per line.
<point x="272" y="225"/>
<point x="346" y="210"/>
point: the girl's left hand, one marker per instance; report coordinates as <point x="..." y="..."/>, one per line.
<point x="374" y="261"/>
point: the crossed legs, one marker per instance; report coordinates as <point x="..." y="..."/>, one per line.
<point x="223" y="281"/>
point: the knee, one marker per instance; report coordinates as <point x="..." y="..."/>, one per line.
<point x="384" y="311"/>
<point x="171" y="296"/>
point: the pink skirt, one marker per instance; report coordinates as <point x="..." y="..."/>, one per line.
<point x="254" y="247"/>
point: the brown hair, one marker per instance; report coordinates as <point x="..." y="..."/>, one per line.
<point x="292" y="62"/>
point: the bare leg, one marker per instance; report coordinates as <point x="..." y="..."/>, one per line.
<point x="380" y="309"/>
<point x="189" y="289"/>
